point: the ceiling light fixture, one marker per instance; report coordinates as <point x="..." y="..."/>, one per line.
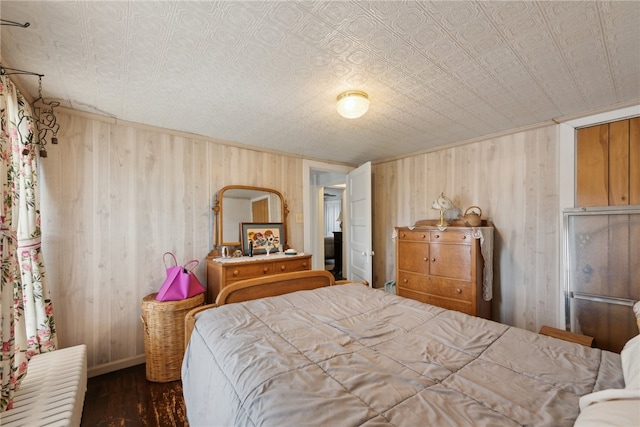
<point x="352" y="104"/>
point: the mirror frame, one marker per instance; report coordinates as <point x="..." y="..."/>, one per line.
<point x="218" y="209"/>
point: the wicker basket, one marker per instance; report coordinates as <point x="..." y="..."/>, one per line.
<point x="163" y="323"/>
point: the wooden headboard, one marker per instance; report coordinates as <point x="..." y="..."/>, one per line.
<point x="262" y="287"/>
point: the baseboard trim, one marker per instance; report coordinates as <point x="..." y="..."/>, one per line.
<point x="115" y="366"/>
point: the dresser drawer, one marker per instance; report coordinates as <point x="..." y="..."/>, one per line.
<point x="452" y="236"/>
<point x="450" y="304"/>
<point x="223" y="272"/>
<point x="287" y="266"/>
<point x="416" y="235"/>
<point x="248" y="271"/>
<point x="448" y="288"/>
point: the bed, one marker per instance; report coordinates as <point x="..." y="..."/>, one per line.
<point x="349" y="355"/>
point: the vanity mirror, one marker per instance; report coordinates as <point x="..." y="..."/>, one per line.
<point x="236" y="204"/>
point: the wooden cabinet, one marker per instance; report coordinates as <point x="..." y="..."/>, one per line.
<point x="608" y="164"/>
<point x="224" y="271"/>
<point x="443" y="268"/>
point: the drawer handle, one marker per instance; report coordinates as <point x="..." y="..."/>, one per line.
<point x="458" y="290"/>
<point x="265" y="269"/>
<point x="464" y="237"/>
<point x="405" y="280"/>
<point x="304" y="264"/>
<point x="424" y="235"/>
<point x="437" y="236"/>
<point x="236" y="272"/>
<point x="403" y="235"/>
<point x="283" y="267"/>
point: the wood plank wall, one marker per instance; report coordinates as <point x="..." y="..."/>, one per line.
<point x="116" y="196"/>
<point x="513" y="179"/>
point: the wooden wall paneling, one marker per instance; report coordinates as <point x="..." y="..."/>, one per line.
<point x="514" y="180"/>
<point x="511" y="219"/>
<point x="203" y="202"/>
<point x="96" y="257"/>
<point x="71" y="277"/>
<point x="99" y="227"/>
<point x="385" y="209"/>
<point x="149" y="207"/>
<point x="217" y="178"/>
<point x="592" y="166"/>
<point x="52" y="188"/>
<point x="634" y="161"/>
<point x="124" y="220"/>
<point x="115" y="197"/>
<point x="153" y="209"/>
<point x="294" y="197"/>
<point x="540" y="208"/>
<point x="418" y="201"/>
<point x="404" y="190"/>
<point x="619" y="163"/>
<point x="76" y="189"/>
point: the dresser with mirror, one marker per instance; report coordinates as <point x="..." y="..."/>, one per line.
<point x="243" y="215"/>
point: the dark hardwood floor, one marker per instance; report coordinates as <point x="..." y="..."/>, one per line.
<point x="126" y="398"/>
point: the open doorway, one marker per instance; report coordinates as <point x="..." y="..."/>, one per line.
<point x="333" y="202"/>
<point x="320" y="178"/>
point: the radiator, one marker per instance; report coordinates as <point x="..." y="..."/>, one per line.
<point x="52" y="393"/>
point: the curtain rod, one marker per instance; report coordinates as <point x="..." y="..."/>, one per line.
<point x="3" y="72"/>
<point x="13" y="23"/>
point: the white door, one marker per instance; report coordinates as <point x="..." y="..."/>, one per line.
<point x="358" y="225"/>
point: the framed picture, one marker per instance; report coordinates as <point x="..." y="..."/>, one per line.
<point x="263" y="235"/>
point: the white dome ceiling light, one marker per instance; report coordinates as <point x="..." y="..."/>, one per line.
<point x="352" y="104"/>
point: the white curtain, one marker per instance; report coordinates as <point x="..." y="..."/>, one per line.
<point x="26" y="312"/>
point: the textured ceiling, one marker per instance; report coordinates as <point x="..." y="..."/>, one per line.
<point x="267" y="74"/>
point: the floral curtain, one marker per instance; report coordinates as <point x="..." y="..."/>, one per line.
<point x="26" y="312"/>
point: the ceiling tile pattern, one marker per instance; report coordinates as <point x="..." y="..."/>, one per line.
<point x="267" y="73"/>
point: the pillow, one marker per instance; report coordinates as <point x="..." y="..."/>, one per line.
<point x="610" y="413"/>
<point x="630" y="358"/>
<point x="609" y="395"/>
<point x="636" y="310"/>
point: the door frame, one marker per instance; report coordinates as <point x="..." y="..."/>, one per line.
<point x="312" y="209"/>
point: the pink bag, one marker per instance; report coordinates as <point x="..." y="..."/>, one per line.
<point x="180" y="283"/>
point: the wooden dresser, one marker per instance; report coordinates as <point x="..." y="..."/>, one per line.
<point x="443" y="268"/>
<point x="224" y="271"/>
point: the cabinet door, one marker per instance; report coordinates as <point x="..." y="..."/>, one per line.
<point x="603" y="260"/>
<point x="608" y="164"/>
<point x="450" y="260"/>
<point x="413" y="256"/>
<point x="634" y="161"/>
<point x="619" y="163"/>
<point x="592" y="166"/>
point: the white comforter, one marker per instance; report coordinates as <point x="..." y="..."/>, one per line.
<point x="348" y="355"/>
